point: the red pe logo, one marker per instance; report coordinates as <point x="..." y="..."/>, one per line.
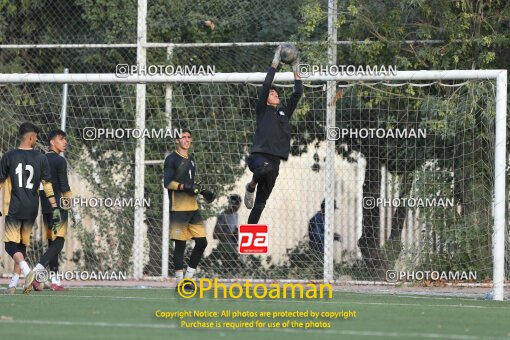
<point x="253" y="239"/>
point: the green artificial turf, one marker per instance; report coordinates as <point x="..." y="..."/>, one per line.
<point x="129" y="313"/>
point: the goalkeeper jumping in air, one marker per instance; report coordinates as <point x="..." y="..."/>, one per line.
<point x="185" y="220"/>
<point x="271" y="142"/>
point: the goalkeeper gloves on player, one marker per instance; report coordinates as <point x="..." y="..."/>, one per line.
<point x="277" y="58"/>
<point x="56" y="219"/>
<point x="192" y="188"/>
<point x="196" y="188"/>
<point x="208" y="196"/>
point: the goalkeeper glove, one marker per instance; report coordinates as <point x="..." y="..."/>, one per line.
<point x="295" y="65"/>
<point x="190" y="188"/>
<point x="277" y="58"/>
<point x="56" y="219"/>
<point x="209" y="196"/>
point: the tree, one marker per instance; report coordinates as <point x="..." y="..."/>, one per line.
<point x="384" y="26"/>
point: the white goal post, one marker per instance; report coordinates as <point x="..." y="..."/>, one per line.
<point x="254" y="77"/>
<point x="499" y="76"/>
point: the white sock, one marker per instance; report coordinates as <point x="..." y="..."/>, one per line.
<point x="14" y="280"/>
<point x="189" y="273"/>
<point x="24" y="267"/>
<point x="54" y="279"/>
<point x="179" y="276"/>
<point x="38" y="267"/>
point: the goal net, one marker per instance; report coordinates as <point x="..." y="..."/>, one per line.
<point x="413" y="175"/>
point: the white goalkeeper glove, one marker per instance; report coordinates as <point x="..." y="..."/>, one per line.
<point x="277" y="58"/>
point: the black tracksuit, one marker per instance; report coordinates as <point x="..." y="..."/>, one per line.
<point x="272" y="135"/>
<point x="271" y="142"/>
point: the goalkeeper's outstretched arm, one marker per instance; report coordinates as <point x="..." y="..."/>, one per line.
<point x="298" y="89"/>
<point x="266" y="86"/>
<point x="294" y="97"/>
<point x="264" y="92"/>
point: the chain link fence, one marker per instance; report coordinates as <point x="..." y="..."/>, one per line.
<point x="87" y="36"/>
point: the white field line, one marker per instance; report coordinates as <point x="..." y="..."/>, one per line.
<point x="403" y="294"/>
<point x="336" y="302"/>
<point x="282" y="330"/>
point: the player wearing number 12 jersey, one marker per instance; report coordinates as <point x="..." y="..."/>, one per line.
<point x="21" y="172"/>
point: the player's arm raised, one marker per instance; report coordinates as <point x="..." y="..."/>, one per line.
<point x="298" y="89"/>
<point x="266" y="86"/>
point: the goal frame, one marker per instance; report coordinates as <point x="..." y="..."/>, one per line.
<point x="499" y="190"/>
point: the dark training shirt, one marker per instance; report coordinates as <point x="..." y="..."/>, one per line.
<point x="58" y="170"/>
<point x="272" y="135"/>
<point x="23" y="171"/>
<point x="181" y="170"/>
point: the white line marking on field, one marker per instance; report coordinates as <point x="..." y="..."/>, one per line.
<point x="90" y="324"/>
<point x="285" y="330"/>
<point x="336" y="302"/>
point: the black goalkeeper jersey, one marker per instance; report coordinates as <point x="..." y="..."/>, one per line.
<point x="59" y="181"/>
<point x="272" y="135"/>
<point x="181" y="170"/>
<point x="22" y="172"/>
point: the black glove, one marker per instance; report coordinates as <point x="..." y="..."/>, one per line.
<point x="209" y="196"/>
<point x="56" y="219"/>
<point x="191" y="188"/>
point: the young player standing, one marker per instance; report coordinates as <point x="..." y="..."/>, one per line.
<point x="185" y="220"/>
<point x="21" y="171"/>
<point x="55" y="233"/>
<point x="271" y="142"/>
